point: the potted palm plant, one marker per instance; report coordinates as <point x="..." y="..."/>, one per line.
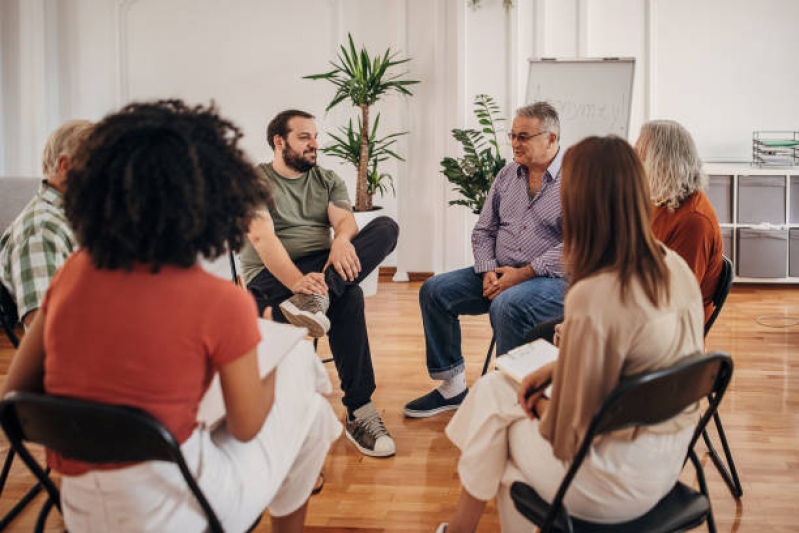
<point x="362" y="79"/>
<point x="347" y="147"/>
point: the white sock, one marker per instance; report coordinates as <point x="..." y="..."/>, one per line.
<point x="453" y="386"/>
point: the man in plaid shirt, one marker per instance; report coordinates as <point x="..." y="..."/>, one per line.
<point x="39" y="241"/>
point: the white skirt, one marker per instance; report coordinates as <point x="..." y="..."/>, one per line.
<point x="619" y="479"/>
<point x="276" y="470"/>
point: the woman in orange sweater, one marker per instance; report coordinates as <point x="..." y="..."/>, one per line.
<point x="683" y="218"/>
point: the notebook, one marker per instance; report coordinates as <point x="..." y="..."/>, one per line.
<point x="527" y="358"/>
<point x="277" y="341"/>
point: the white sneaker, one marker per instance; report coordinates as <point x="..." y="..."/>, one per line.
<point x="308" y="311"/>
<point x="367" y="432"/>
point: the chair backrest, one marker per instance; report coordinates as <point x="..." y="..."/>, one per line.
<point x="8" y="315"/>
<point x="722" y="290"/>
<point x="654" y="397"/>
<point x="94" y="433"/>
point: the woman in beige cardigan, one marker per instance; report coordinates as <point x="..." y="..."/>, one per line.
<point x="632" y="306"/>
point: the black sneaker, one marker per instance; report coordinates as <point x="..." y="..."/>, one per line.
<point x="368" y="434"/>
<point x="308" y="311"/>
<point x="433" y="403"/>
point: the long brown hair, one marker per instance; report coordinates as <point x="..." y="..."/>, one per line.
<point x="606" y="217"/>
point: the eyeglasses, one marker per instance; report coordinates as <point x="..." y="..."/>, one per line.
<point x="523" y="137"/>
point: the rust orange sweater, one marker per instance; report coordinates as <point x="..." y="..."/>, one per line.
<point x="692" y="230"/>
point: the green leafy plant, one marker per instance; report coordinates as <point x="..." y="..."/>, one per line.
<point x="362" y="80"/>
<point x="474" y="173"/>
<point x="347" y="147"/>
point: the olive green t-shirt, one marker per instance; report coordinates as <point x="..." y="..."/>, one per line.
<point x="299" y="214"/>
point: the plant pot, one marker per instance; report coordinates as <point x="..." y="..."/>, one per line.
<point x="362" y="218"/>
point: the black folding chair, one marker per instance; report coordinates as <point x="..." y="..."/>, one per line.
<point x="9" y="320"/>
<point x="729" y="475"/>
<point x="90" y="432"/>
<point x="643" y="400"/>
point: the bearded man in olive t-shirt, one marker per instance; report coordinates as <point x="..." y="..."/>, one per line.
<point x="292" y="264"/>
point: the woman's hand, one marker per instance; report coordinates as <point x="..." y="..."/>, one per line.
<point x="533" y="387"/>
<point x="558" y="337"/>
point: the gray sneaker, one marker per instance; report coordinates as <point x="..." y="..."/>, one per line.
<point x="368" y="434"/>
<point x="308" y="311"/>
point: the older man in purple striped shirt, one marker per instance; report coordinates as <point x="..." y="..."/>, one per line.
<point x="517" y="276"/>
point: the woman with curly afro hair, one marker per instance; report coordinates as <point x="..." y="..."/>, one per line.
<point x="132" y="319"/>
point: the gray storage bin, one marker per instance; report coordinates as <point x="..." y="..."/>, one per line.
<point x="719" y="192"/>
<point x="761" y="199"/>
<point x="762" y="253"/>
<point x="794" y="248"/>
<point x="726" y="242"/>
<point x="794" y="200"/>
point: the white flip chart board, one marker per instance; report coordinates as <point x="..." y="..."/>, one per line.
<point x="592" y="96"/>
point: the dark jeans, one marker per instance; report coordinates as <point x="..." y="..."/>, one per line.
<point x="349" y="341"/>
<point x="443" y="298"/>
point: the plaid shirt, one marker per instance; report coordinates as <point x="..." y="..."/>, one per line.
<point x="35" y="245"/>
<point x="516" y="229"/>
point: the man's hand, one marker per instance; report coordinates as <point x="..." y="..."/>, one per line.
<point x="511" y="276"/>
<point x="311" y="283"/>
<point x="344" y="259"/>
<point x="490" y="284"/>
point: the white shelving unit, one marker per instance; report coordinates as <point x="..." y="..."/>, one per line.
<point x="735" y="184"/>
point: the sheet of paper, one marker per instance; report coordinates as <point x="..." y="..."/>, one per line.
<point x="277" y="340"/>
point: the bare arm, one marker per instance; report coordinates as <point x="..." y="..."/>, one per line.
<point x="343" y="256"/>
<point x="276" y="259"/>
<point x="248" y="399"/>
<point x="27" y="367"/>
<point x="27" y="320"/>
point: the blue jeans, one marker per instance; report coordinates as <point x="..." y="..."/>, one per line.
<point x="513" y="314"/>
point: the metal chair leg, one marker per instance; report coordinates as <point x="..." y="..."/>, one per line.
<point x="315" y="348"/>
<point x="730" y="476"/>
<point x="700" y="476"/>
<point x="24" y="501"/>
<point x="488" y="355"/>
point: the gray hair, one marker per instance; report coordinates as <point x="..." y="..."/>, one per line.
<point x="671" y="162"/>
<point x="546" y="114"/>
<point x="64" y="141"/>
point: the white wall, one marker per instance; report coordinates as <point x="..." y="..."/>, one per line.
<point x="722" y="67"/>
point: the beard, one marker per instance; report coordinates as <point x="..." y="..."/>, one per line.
<point x="301" y="162"/>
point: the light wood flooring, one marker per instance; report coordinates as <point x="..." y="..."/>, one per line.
<point x="418" y="488"/>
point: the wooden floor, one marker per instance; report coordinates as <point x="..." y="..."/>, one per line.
<point x="418" y="488"/>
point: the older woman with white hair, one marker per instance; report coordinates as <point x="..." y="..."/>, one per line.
<point x="683" y="219"/>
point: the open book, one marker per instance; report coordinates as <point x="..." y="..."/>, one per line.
<point x="277" y="341"/>
<point x="527" y="358"/>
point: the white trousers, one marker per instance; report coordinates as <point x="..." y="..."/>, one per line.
<point x="619" y="479"/>
<point x="276" y="470"/>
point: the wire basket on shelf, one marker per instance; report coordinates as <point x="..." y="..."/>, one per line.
<point x="775" y="148"/>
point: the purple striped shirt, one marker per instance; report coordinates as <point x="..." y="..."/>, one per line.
<point x="516" y="229"/>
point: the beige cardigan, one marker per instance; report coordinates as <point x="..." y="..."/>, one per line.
<point x="605" y="339"/>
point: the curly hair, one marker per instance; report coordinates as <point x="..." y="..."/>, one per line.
<point x="160" y="183"/>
